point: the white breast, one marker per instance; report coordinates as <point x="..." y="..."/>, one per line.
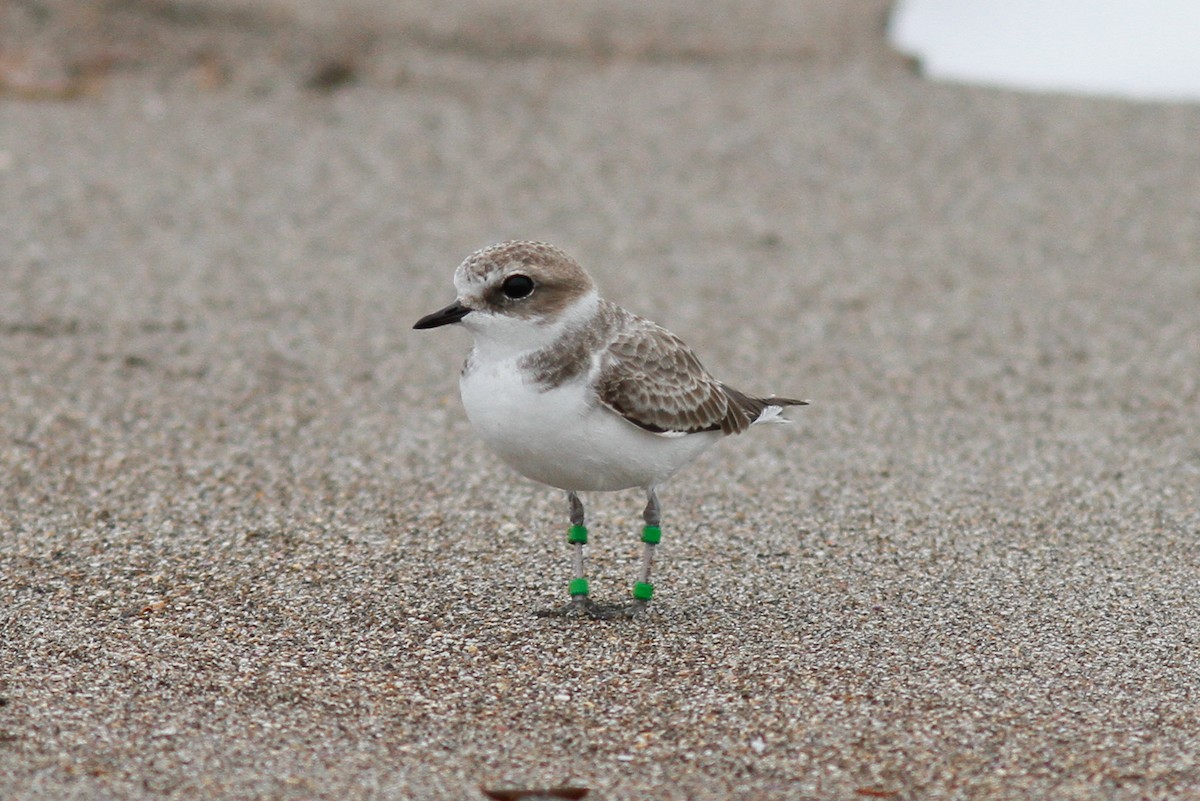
<point x="563" y="436"/>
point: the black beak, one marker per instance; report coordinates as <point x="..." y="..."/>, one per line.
<point x="451" y="314"/>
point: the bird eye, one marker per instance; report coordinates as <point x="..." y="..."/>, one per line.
<point x="517" y="286"/>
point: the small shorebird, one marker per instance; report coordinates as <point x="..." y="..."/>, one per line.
<point x="576" y="392"/>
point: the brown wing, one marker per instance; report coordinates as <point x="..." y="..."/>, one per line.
<point x="651" y="378"/>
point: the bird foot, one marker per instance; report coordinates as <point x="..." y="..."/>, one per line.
<point x="581" y="606"/>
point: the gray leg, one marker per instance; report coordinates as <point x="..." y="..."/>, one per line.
<point x="652" y="514"/>
<point x="644" y="590"/>
<point x="580" y="604"/>
<point x="577" y="541"/>
<point x="653" y="517"/>
<point x="576" y="508"/>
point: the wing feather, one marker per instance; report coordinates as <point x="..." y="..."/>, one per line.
<point x="653" y="379"/>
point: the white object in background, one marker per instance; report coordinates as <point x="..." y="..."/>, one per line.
<point x="1147" y="49"/>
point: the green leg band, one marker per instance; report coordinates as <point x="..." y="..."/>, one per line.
<point x="651" y="534"/>
<point x="578" y="586"/>
<point x="577" y="534"/>
<point x="642" y="591"/>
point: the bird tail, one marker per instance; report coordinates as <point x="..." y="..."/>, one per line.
<point x="773" y="409"/>
<point x="746" y="410"/>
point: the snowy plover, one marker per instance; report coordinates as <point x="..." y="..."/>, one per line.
<point x="575" y="392"/>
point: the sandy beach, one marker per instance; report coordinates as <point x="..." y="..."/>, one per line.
<point x="251" y="548"/>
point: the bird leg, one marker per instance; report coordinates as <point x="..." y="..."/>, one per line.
<point x="580" y="604"/>
<point x="643" y="590"/>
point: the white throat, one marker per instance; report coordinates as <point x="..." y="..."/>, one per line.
<point x="500" y="337"/>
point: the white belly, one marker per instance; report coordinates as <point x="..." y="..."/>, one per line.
<point x="563" y="437"/>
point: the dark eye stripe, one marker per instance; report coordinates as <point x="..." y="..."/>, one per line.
<point x="517" y="286"/>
